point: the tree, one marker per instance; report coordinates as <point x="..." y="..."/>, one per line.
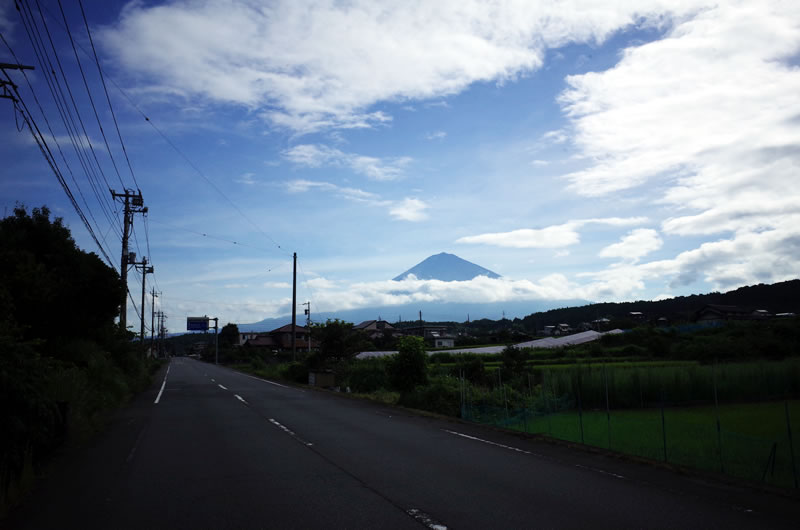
<point x="513" y="360"/>
<point x="408" y="368"/>
<point x="56" y="290"/>
<point x="229" y="335"/>
<point x="337" y="341"/>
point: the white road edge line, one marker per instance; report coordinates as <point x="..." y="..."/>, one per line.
<point x="290" y="432"/>
<point x="580" y="466"/>
<point x="158" y="397"/>
<point x="270" y="382"/>
<point x="425" y="519"/>
<point x="492" y="443"/>
<point x="222" y="387"/>
<point x="602" y="471"/>
<point x="240" y="398"/>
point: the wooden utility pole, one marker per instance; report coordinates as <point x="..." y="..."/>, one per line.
<point x="152" y="319"/>
<point x="294" y="308"/>
<point x="308" y="324"/>
<point x="142" y="265"/>
<point x="133" y="203"/>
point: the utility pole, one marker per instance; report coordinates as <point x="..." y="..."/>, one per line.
<point x="308" y="324"/>
<point x="152" y="319"/>
<point x="133" y="203"/>
<point x="294" y="308"/>
<point x="142" y="265"/>
<point x="5" y="84"/>
<point x="216" y="342"/>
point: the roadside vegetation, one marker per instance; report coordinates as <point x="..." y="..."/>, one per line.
<point x="722" y="399"/>
<point x="64" y="363"/>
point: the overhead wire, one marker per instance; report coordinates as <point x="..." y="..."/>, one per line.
<point x="89" y="92"/>
<point x="105" y="89"/>
<point x="66" y="115"/>
<point x="45" y="149"/>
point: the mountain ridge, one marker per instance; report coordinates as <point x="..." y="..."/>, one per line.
<point x="447" y="268"/>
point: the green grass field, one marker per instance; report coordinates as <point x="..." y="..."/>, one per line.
<point x="753" y="440"/>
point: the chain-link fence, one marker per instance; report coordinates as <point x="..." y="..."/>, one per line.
<point x="741" y="419"/>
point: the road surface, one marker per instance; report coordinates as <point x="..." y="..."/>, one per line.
<point x="208" y="447"/>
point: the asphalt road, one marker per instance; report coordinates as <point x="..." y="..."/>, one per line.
<point x="221" y="449"/>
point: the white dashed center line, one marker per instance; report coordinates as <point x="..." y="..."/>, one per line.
<point x="222" y="387"/>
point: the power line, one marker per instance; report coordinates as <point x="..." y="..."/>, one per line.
<point x="105" y="89"/>
<point x="43" y="147"/>
<point x="66" y="116"/>
<point x="89" y="92"/>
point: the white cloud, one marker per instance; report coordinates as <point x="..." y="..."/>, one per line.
<point x="635" y="245"/>
<point x="409" y="210"/>
<point x="555" y="236"/>
<point x="709" y="113"/>
<point x="310" y="155"/>
<point x="437" y="135"/>
<point x="720" y="130"/>
<point x="277" y="285"/>
<point x="246" y="178"/>
<point x="307" y="66"/>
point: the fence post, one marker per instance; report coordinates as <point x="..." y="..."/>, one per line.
<point x="716" y="409"/>
<point x="547" y="410"/>
<point x="503" y="387"/>
<point x="608" y="408"/>
<point x="791" y="443"/>
<point x="580" y="405"/>
<point x="663" y="425"/>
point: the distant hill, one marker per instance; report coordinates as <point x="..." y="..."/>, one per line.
<point x="431" y="312"/>
<point x="783" y="297"/>
<point x="447" y="268"/>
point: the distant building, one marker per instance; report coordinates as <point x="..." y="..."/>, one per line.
<point x="713" y="313"/>
<point x="375" y="329"/>
<point x="280" y="339"/>
<point x="636" y="316"/>
<point x="439" y="336"/>
<point x="601" y="324"/>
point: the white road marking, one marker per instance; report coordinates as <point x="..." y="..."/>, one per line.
<point x="425" y="519"/>
<point x="213" y="380"/>
<point x="581" y="466"/>
<point x="135" y="445"/>
<point x="290" y="432"/>
<point x="158" y="397"/>
<point x="600" y="471"/>
<point x="222" y="387"/>
<point x="270" y="382"/>
<point x="240" y="398"/>
<point x="491" y="443"/>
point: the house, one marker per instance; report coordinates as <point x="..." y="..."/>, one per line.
<point x="439" y="336"/>
<point x="636" y="316"/>
<point x="244" y="337"/>
<point x="375" y="329"/>
<point x="713" y="313"/>
<point x="563" y="329"/>
<point x="442" y="340"/>
<point x="600" y="324"/>
<point x="280" y="339"/>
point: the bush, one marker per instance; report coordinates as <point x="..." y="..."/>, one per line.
<point x="407" y="369"/>
<point x="442" y="396"/>
<point x="368" y="375"/>
<point x="296" y="372"/>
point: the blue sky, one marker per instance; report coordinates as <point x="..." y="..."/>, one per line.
<point x="601" y="151"/>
